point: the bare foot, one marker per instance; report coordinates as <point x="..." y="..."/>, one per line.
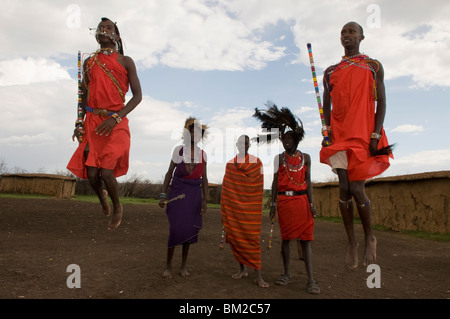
<point x="259" y="280"/>
<point x="106" y="210"/>
<point x="116" y="218"/>
<point x="184" y="272"/>
<point x="240" y="274"/>
<point x="167" y="273"/>
<point x="352" y="257"/>
<point x="371" y="251"/>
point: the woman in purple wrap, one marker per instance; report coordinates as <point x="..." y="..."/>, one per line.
<point x="187" y="172"/>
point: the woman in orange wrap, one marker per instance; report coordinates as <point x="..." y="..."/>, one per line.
<point x="103" y="151"/>
<point x="359" y="148"/>
<point x="241" y="208"/>
<point x="292" y="194"/>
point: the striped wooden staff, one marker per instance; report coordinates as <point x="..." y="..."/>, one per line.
<point x="80" y="128"/>
<point x="316" y="87"/>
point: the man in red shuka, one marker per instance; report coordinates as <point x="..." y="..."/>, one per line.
<point x="359" y="148"/>
<point x="103" y="152"/>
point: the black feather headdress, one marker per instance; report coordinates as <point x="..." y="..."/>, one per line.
<point x="276" y="122"/>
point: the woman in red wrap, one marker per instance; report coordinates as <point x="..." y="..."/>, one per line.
<point x="292" y="194"/>
<point x="102" y="154"/>
<point x="359" y="148"/>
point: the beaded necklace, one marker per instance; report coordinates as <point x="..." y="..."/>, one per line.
<point x="105" y="70"/>
<point x="356" y="61"/>
<point x="108" y="51"/>
<point x="293" y="168"/>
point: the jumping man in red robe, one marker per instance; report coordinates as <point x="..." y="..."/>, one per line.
<point x="104" y="151"/>
<point x="359" y="148"/>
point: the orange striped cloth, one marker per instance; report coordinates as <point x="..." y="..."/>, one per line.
<point x="241" y="207"/>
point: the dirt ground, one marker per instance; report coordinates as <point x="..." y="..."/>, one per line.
<point x="40" y="238"/>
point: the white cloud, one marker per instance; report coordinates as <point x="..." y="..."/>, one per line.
<point x="433" y="160"/>
<point x="408" y="128"/>
<point x="156" y="119"/>
<point x="24" y="140"/>
<point x="227" y="34"/>
<point x="39" y="107"/>
<point x="25" y="71"/>
<point x="305" y="109"/>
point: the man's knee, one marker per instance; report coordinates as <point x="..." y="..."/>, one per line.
<point x="344" y="192"/>
<point x="108" y="175"/>
<point x="358" y="192"/>
<point x="92" y="174"/>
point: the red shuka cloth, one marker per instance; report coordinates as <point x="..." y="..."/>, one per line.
<point x="110" y="152"/>
<point x="294" y="213"/>
<point x="353" y="119"/>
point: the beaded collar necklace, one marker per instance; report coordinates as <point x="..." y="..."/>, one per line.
<point x="353" y="60"/>
<point x="293" y="168"/>
<point x="290" y="167"/>
<point x="353" y="56"/>
<point x="107" y="51"/>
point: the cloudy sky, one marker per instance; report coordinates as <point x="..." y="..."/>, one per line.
<point x="217" y="60"/>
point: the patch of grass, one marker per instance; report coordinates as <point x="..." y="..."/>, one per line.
<point x="429" y="236"/>
<point x="22" y="196"/>
<point x="413" y="233"/>
<point x="123" y="200"/>
<point x="130" y="200"/>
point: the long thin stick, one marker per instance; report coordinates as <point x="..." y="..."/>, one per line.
<point x="316" y="87"/>
<point x="222" y="239"/>
<point x="175" y="198"/>
<point x="270" y="235"/>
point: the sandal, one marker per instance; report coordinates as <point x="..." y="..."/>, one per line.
<point x="283" y="280"/>
<point x="313" y="288"/>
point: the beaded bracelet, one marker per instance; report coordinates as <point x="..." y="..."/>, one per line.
<point x="375" y="135"/>
<point x="79" y="122"/>
<point x="163" y="195"/>
<point x="116" y="117"/>
<point x="328" y="128"/>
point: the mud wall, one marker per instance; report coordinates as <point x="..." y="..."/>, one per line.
<point x="40" y="184"/>
<point x="407" y="202"/>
